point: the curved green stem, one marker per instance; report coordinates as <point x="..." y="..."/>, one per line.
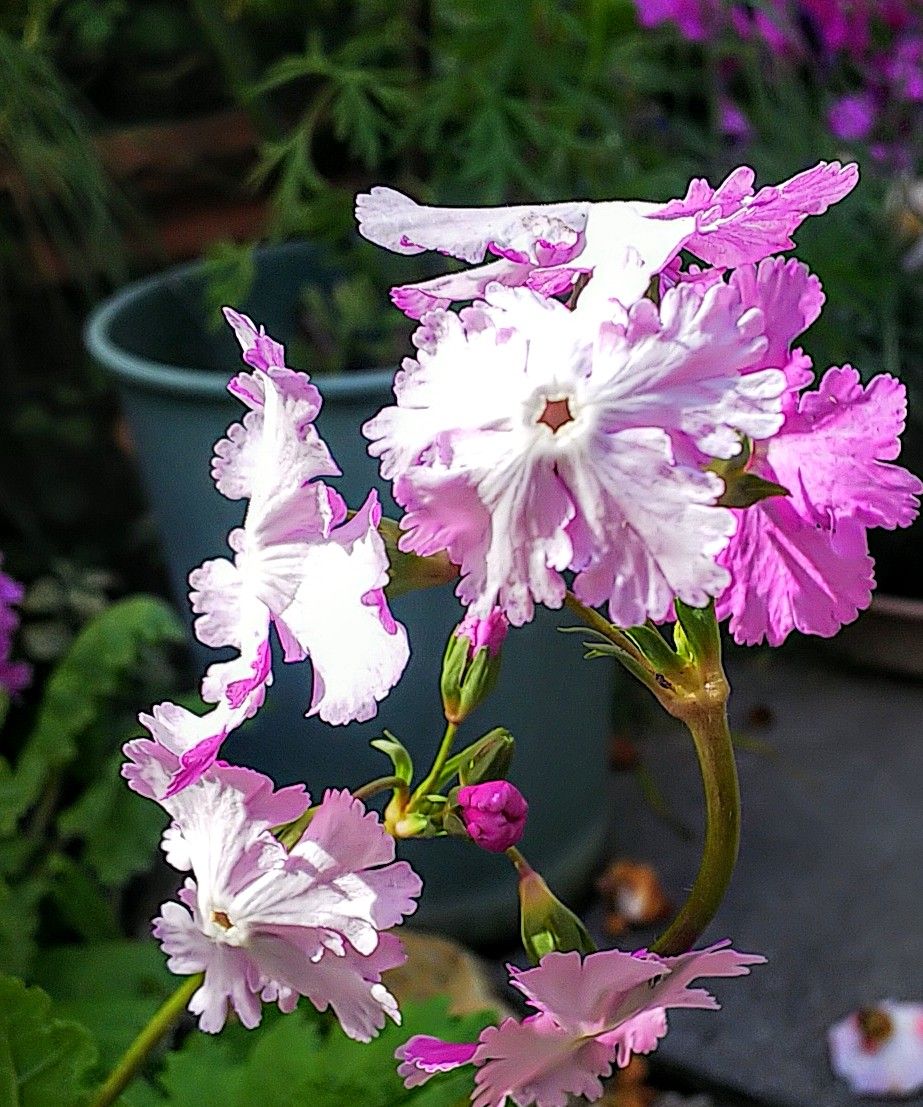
<point x="160" y="1024"/>
<point x="381" y="784"/>
<point x="707" y="722"/>
<point x="431" y="781"/>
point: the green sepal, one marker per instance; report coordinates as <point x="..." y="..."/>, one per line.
<point x="409" y="572"/>
<point x="656" y="649"/>
<point x="743" y="489"/>
<point x="400" y="757"/>
<point x="489" y="758"/>
<point x="747" y="489"/>
<point x="546" y="924"/>
<point x="697" y="635"/>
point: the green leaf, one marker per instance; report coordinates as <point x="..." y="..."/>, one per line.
<point x="103" y="659"/>
<point x="19" y="922"/>
<point x="288" y="1067"/>
<point x="395" y="749"/>
<point x="305" y="1058"/>
<point x="119" y="829"/>
<point x="82" y="904"/>
<point x="113" y="988"/>
<point x="43" y="1059"/>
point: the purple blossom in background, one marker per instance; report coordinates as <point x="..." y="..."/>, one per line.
<point x="852" y="117"/>
<point x="14" y="675"/>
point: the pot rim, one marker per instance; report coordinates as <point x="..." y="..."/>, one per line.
<point x="159" y="376"/>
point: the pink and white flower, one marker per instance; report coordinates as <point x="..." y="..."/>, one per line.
<point x="878" y="1050"/>
<point x="266" y="923"/>
<point x="801" y="562"/>
<point x="299" y="563"/>
<point x="622" y="243"/>
<point x="528" y="439"/>
<point x="591" y="1012"/>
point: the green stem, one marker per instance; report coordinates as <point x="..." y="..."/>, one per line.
<point x="442" y="755"/>
<point x="160" y="1024"/>
<point x="381" y="784"/>
<point x="707" y="722"/>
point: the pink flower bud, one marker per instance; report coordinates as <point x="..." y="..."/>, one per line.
<point x="494" y="814"/>
<point x="490" y="632"/>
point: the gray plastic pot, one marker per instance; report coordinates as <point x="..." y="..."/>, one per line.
<point x="171" y="371"/>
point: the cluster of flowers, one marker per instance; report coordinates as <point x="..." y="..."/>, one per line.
<point x="878" y="41"/>
<point x="653" y="438"/>
<point x="14" y="675"/>
<point x="529" y="439"/>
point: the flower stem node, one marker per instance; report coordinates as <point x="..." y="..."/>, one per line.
<point x="545" y="923"/>
<point x="471" y="664"/>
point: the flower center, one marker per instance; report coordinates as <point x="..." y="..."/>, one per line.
<point x="222" y="919"/>
<point x="556" y="414"/>
<point x="875" y="1026"/>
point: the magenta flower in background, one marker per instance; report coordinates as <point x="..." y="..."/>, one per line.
<point x="268" y="924"/>
<point x="852" y="117"/>
<point x="528" y="439"/>
<point x="591" y="1012"/>
<point x="546" y="247"/>
<point x="14" y="675"/>
<point x="494" y="814"/>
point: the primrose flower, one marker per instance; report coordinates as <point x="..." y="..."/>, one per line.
<point x="591" y="1012"/>
<point x="266" y="923"/>
<point x="800" y="562"/>
<point x="299" y="564"/>
<point x="14" y="675"/>
<point x="622" y="243"/>
<point x="181" y="745"/>
<point x="528" y="439"/>
<point x="879" y="1050"/>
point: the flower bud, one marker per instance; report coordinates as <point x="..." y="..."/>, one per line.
<point x="494" y="814"/>
<point x="471" y="663"/>
<point x="489" y="758"/>
<point x="545" y="923"/>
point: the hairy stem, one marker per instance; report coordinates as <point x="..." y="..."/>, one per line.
<point x="707" y="722"/>
<point x="160" y="1024"/>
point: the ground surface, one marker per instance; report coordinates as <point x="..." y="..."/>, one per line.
<point x="830" y="880"/>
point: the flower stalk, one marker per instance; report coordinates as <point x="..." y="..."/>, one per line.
<point x="689" y="682"/>
<point x="159" y="1025"/>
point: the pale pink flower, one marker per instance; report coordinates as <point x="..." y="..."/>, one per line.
<point x="528" y="439"/>
<point x="299" y="564"/>
<point x="800" y="562"/>
<point x="265" y="923"/>
<point x="591" y="1012"/>
<point x="14" y="675"/>
<point x="182" y="745"/>
<point x="622" y="243"/>
<point x="878" y="1050"/>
